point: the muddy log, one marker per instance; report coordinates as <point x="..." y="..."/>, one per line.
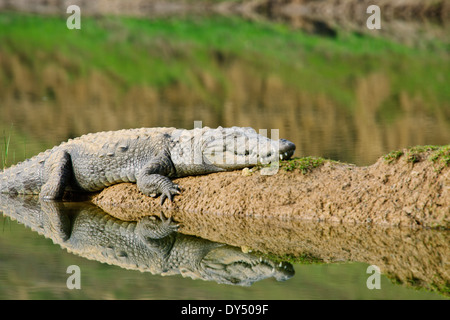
<point x="409" y="188"/>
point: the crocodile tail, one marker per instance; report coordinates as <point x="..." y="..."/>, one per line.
<point x="23" y="178"/>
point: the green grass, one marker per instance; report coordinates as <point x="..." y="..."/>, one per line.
<point x="441" y="155"/>
<point x="305" y="258"/>
<point x="16" y="146"/>
<point x="163" y="52"/>
<point x="392" y="156"/>
<point x="5" y="149"/>
<point x="305" y="164"/>
<point x="413" y="154"/>
<point x="438" y="155"/>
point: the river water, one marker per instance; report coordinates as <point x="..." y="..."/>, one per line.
<point x="38" y="267"/>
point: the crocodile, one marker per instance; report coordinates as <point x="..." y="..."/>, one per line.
<point x="151" y="244"/>
<point x="149" y="157"/>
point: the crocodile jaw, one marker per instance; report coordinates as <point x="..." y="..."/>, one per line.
<point x="229" y="265"/>
<point x="237" y="148"/>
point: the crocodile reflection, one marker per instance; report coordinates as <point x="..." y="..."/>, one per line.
<point x="149" y="245"/>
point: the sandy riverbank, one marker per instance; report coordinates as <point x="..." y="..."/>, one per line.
<point x="409" y="189"/>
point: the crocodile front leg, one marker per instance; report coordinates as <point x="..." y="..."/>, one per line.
<point x="159" y="237"/>
<point x="152" y="180"/>
<point x="150" y="227"/>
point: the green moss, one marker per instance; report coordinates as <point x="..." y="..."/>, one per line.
<point x="443" y="288"/>
<point x="439" y="154"/>
<point x="413" y="155"/>
<point x="305" y="258"/>
<point x="421" y="149"/>
<point x="419" y="285"/>
<point x="305" y="165"/>
<point x="392" y="156"/>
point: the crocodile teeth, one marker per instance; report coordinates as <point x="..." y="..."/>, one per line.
<point x="284" y="155"/>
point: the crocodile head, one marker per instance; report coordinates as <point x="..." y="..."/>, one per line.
<point x="229" y="265"/>
<point x="226" y="264"/>
<point x="237" y="148"/>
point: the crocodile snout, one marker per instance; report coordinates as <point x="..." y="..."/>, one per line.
<point x="287" y="149"/>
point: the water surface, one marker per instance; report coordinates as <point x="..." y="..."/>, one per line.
<point x="33" y="267"/>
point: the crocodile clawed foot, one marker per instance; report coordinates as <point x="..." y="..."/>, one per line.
<point x="168" y="222"/>
<point x="170" y="193"/>
<point x="154" y="228"/>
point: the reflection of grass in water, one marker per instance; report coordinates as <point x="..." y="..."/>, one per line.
<point x="305" y="258"/>
<point x="164" y="52"/>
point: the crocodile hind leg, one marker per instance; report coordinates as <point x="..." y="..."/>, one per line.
<point x="58" y="170"/>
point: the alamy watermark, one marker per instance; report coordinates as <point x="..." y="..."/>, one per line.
<point x="74" y="20"/>
<point x="74" y="280"/>
<point x="373" y="281"/>
<point x="243" y="146"/>
<point x="374" y="21"/>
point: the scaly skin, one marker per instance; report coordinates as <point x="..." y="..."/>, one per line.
<point x="149" y="157"/>
<point x="149" y="245"/>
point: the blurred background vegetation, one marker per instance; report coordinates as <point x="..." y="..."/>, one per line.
<point x="329" y="84"/>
